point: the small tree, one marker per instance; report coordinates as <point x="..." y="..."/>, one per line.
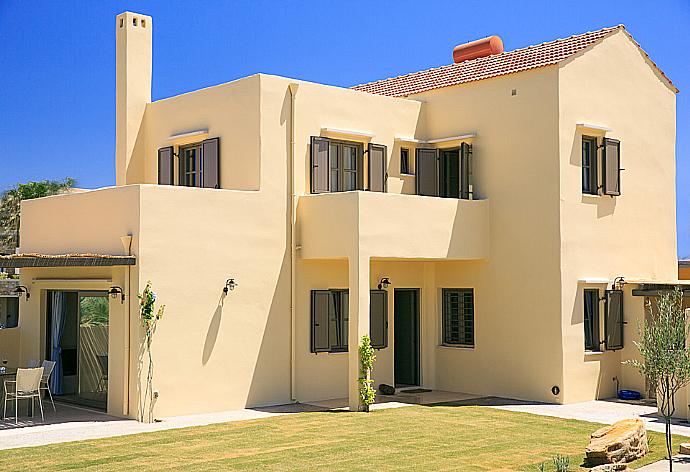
<point x="367" y="394"/>
<point x="665" y="356"/>
<point x="11" y="199"/>
<point x="149" y="319"/>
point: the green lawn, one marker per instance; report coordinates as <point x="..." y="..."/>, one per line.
<point x="411" y="438"/>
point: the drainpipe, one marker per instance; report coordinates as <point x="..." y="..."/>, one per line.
<point x="292" y="206"/>
<point x="127" y="244"/>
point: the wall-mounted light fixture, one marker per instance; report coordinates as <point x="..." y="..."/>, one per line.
<point x="115" y="291"/>
<point x="22" y="289"/>
<point x="230" y="284"/>
<point x="618" y="283"/>
<point x="384" y="283"/>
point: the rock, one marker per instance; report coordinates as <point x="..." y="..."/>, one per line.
<point x="620" y="467"/>
<point x="684" y="448"/>
<point x="623" y="441"/>
<point x="386" y="389"/>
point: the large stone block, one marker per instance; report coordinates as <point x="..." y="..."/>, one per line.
<point x="623" y="441"/>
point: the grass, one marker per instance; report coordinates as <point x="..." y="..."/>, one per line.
<point x="412" y="438"/>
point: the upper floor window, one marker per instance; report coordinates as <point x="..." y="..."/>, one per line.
<point x="590" y="182"/>
<point x="198" y="164"/>
<point x="445" y="172"/>
<point x="405" y="161"/>
<point x="338" y="166"/>
<point x="610" y="166"/>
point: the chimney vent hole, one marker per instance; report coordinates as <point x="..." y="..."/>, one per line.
<point x="122" y="22"/>
<point x="134" y="21"/>
<point x="143" y="23"/>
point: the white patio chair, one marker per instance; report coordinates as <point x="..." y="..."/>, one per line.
<point x="48" y="367"/>
<point x="26" y="386"/>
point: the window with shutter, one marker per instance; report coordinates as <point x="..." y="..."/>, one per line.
<point x="427" y="172"/>
<point x="613" y="321"/>
<point x="378" y="319"/>
<point x="329" y="320"/>
<point x="377" y="168"/>
<point x="165" y="166"/>
<point x="591" y="319"/>
<point x="458" y="316"/>
<point x="590" y="184"/>
<point x="320" y="168"/>
<point x="611" y="166"/>
<point x="210" y="163"/>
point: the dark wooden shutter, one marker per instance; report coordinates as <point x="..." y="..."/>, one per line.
<point x="427" y="172"/>
<point x="611" y="166"/>
<point x="319" y="165"/>
<point x="613" y="323"/>
<point x="377" y="168"/>
<point x="320" y="308"/>
<point x="166" y="174"/>
<point x="210" y="163"/>
<point x="378" y="319"/>
<point x="465" y="169"/>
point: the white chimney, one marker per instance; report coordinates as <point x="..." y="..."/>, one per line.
<point x="133" y="92"/>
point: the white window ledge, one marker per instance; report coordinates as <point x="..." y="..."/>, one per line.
<point x="347" y="132"/>
<point x="595" y="127"/>
<point x="188" y="136"/>
<point x="436" y="140"/>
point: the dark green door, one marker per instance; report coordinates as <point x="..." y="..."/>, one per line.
<point x="406" y="334"/>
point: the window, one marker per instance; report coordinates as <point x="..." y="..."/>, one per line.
<point x="198" y="164"/>
<point x="444" y="172"/>
<point x="591" y="319"/>
<point x="613" y="322"/>
<point x="9" y="312"/>
<point x="190" y="165"/>
<point x="338" y="166"/>
<point x="590" y="184"/>
<point x="405" y="161"/>
<point x="458" y="316"/>
<point x="329" y="320"/>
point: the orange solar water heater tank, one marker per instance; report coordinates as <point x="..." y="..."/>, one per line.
<point x="479" y="48"/>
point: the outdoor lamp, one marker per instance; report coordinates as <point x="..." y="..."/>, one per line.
<point x="230" y="284"/>
<point x="115" y="290"/>
<point x="22" y="289"/>
<point x="384" y="283"/>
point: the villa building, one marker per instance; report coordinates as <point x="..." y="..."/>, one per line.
<point x="496" y="225"/>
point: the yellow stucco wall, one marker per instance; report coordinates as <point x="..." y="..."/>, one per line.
<point x="632" y="235"/>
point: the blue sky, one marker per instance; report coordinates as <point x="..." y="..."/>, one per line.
<point x="57" y="86"/>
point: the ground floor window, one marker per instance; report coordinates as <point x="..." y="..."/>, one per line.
<point x="329" y="320"/>
<point x="458" y="316"/>
<point x="591" y="319"/>
<point x="9" y="312"/>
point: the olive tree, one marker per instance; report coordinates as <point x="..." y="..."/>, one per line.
<point x="665" y="355"/>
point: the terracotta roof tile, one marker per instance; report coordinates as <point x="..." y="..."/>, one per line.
<point x="509" y="62"/>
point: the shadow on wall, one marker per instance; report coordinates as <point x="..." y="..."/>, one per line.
<point x="213" y="329"/>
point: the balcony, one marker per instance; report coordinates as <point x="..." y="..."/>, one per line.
<point x="386" y="225"/>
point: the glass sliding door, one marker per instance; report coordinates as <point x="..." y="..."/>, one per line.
<point x="93" y="349"/>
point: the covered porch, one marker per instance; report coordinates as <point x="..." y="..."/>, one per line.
<point x="75" y="312"/>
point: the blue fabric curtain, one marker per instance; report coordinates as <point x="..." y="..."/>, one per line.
<point x="58" y="311"/>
